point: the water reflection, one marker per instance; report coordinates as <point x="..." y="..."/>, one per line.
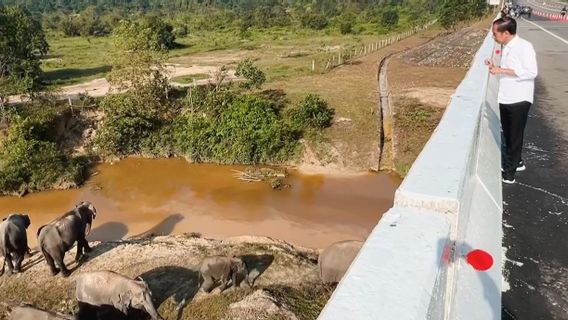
<point x="164" y="196"/>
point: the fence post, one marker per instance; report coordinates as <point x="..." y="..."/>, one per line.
<point x="313" y="65"/>
<point x="339" y="58"/>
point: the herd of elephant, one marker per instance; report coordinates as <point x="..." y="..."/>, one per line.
<point x="110" y="295"/>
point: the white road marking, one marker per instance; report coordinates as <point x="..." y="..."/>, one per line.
<point x="550" y="33"/>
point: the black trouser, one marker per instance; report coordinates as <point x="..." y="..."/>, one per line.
<point x="513" y="121"/>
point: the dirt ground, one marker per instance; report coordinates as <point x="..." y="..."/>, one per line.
<point x="285" y="276"/>
<point x="421" y="82"/>
<point x="351" y="144"/>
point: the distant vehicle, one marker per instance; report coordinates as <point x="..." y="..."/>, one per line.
<point x="526" y="10"/>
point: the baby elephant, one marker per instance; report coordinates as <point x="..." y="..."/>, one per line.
<point x="107" y="289"/>
<point x="223" y="269"/>
<point x="334" y="261"/>
<point x="14" y="241"/>
<point x="27" y="312"/>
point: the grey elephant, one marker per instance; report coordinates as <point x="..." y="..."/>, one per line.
<point x="334" y="260"/>
<point x="28" y="312"/>
<point x="222" y="269"/>
<point x="14" y="241"/>
<point x="100" y="289"/>
<point x="57" y="237"/>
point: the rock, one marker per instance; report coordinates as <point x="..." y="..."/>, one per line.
<point x="258" y="306"/>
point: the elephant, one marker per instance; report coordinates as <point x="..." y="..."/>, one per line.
<point x="57" y="237"/>
<point x="334" y="260"/>
<point x="110" y="290"/>
<point x="14" y="241"/>
<point x="221" y="268"/>
<point x="28" y="312"/>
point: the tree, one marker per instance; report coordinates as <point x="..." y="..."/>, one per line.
<point x="255" y="77"/>
<point x="138" y="57"/>
<point x="22" y="43"/>
<point x="389" y="18"/>
<point x="164" y="33"/>
<point x="346" y="22"/>
<point x="314" y="21"/>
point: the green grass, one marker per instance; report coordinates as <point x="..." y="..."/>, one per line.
<point x="75" y="60"/>
<point x="189" y="78"/>
<point x="78" y="59"/>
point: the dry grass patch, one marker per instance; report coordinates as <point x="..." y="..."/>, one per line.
<point x="414" y="122"/>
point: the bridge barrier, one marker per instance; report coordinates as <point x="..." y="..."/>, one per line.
<point x="412" y="265"/>
<point x="551" y="16"/>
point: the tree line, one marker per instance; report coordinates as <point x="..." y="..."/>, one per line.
<point x="100" y="17"/>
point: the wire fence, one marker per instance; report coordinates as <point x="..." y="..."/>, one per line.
<point x="327" y="61"/>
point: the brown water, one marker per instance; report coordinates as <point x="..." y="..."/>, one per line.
<point x="165" y="196"/>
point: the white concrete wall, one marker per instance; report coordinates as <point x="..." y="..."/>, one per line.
<point x="412" y="264"/>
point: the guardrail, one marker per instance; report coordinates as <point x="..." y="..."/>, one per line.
<point x="551" y="16"/>
<point x="412" y="265"/>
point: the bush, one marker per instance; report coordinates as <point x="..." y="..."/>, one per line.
<point x="181" y="31"/>
<point x="311" y="113"/>
<point x="314" y="21"/>
<point x="255" y="77"/>
<point x="28" y="163"/>
<point x="389" y="18"/>
<point x="346" y="27"/>
<point x="248" y="131"/>
<point x="128" y="121"/>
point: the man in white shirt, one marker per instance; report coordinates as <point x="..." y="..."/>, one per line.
<point x="516" y="73"/>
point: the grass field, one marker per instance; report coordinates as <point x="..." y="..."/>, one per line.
<point x="189" y="78"/>
<point x="281" y="52"/>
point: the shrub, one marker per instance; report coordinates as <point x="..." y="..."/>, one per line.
<point x="389" y="18"/>
<point x="250" y="132"/>
<point x="247" y="131"/>
<point x="346" y="27"/>
<point x="28" y="163"/>
<point x="127" y="122"/>
<point x="311" y="113"/>
<point x="255" y="77"/>
<point x="314" y="21"/>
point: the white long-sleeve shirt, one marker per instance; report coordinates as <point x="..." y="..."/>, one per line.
<point x="518" y="55"/>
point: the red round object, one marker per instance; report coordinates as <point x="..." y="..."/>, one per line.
<point x="497" y="51"/>
<point x="480" y="260"/>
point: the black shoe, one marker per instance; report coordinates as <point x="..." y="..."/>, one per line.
<point x="508" y="178"/>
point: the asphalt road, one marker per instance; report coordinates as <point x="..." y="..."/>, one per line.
<point x="535" y="217"/>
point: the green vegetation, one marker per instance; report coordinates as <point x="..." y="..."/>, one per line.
<point x="306" y="301"/>
<point x="255" y="78"/>
<point x="189" y="78"/>
<point x="129" y="43"/>
<point x="30" y="159"/>
<point x="22" y="42"/>
<point x="452" y="12"/>
<point x="311" y="113"/>
<point x="414" y="123"/>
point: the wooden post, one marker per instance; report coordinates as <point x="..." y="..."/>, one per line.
<point x="339" y="58"/>
<point x="313" y="65"/>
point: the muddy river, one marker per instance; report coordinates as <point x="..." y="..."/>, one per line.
<point x="169" y="196"/>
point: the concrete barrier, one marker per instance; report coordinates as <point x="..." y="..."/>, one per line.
<point x="412" y="265"/>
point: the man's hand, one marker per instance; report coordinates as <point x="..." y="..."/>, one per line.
<point x="495" y="70"/>
<point x="489" y="63"/>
